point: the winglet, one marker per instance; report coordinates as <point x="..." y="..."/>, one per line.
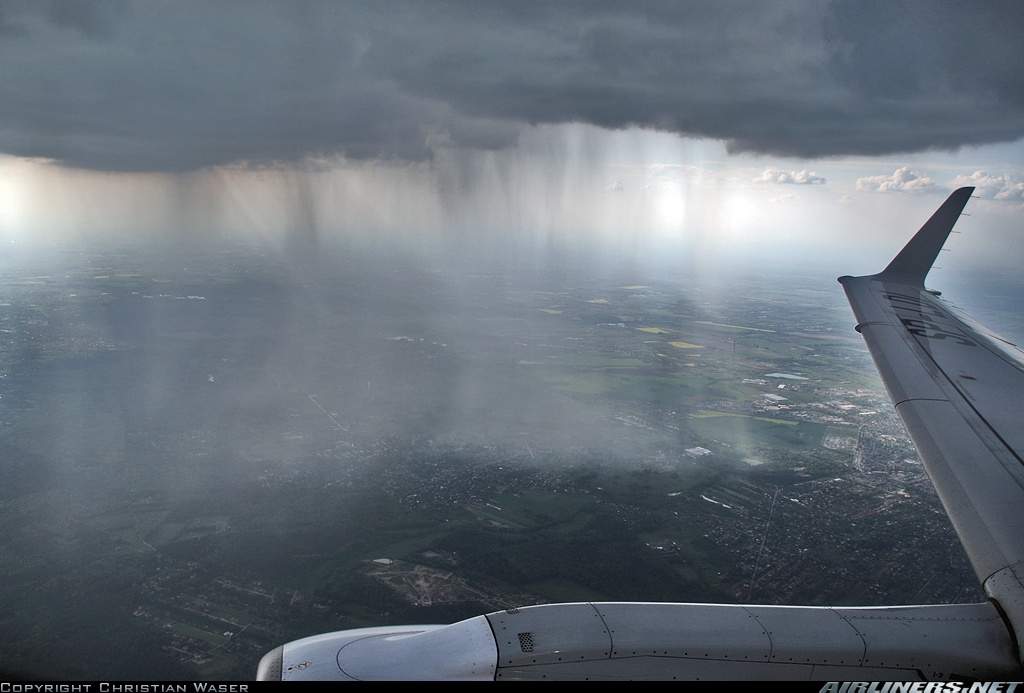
<point x="917" y="257"/>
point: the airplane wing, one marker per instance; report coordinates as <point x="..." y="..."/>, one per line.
<point x="960" y="391"/>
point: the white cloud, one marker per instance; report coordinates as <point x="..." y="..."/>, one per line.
<point x="901" y="180"/>
<point x="802" y="177"/>
<point x="992" y="187"/>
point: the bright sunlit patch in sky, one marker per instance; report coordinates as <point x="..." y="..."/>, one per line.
<point x="737" y="213"/>
<point x="13" y="208"/>
<point x="669" y="205"/>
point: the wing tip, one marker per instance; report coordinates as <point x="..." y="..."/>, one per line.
<point x="913" y="263"/>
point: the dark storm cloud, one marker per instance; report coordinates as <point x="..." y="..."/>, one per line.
<point x="178" y="86"/>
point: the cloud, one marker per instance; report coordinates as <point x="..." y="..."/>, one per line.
<point x="178" y="86"/>
<point x="993" y="187"/>
<point x="802" y="177"/>
<point x="900" y="180"/>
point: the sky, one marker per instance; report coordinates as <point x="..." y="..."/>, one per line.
<point x="785" y="132"/>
